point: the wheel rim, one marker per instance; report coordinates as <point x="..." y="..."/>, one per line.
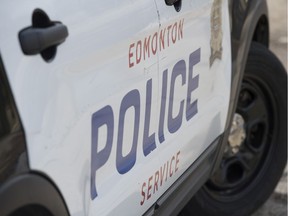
<point x="247" y="152"/>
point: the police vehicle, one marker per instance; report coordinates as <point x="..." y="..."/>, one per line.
<point x="139" y="107"/>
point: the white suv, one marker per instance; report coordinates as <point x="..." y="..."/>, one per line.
<point x="139" y="107"/>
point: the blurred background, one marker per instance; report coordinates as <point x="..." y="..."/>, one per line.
<point x="277" y="204"/>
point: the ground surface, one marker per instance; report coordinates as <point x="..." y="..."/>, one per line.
<point x="277" y="204"/>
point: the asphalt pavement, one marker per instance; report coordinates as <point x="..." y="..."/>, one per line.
<point x="277" y="204"/>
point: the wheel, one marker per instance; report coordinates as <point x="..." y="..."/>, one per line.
<point x="256" y="151"/>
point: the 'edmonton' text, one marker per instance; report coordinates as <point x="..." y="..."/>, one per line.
<point x="143" y="49"/>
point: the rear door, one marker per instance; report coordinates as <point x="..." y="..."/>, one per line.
<point x="194" y="78"/>
<point x="87" y="105"/>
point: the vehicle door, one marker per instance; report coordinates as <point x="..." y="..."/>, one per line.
<point x="85" y="80"/>
<point x="194" y="80"/>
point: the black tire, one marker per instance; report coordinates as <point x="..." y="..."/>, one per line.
<point x="31" y="210"/>
<point x="245" y="188"/>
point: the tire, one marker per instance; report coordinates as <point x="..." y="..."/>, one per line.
<point x="252" y="166"/>
<point x="31" y="210"/>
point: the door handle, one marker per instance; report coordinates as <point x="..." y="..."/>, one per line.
<point x="34" y="40"/>
<point x="177" y="4"/>
<point x="171" y="2"/>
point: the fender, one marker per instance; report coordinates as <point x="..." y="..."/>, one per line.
<point x="20" y="188"/>
<point x="13" y="151"/>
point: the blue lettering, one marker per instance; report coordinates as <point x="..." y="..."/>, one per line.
<point x="131" y="101"/>
<point x="148" y="141"/>
<point x="175" y="123"/>
<point x="163" y="107"/>
<point x="125" y="163"/>
<point x="102" y="117"/>
<point x="193" y="82"/>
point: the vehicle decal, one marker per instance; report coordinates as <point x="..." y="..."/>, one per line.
<point x="157" y="179"/>
<point x="105" y="117"/>
<point x="216" y="31"/>
<point x="158" y="41"/>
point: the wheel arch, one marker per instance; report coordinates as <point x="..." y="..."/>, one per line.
<point x="31" y="190"/>
<point x="261" y="32"/>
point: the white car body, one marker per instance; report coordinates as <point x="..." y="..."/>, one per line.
<point x="111" y="119"/>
